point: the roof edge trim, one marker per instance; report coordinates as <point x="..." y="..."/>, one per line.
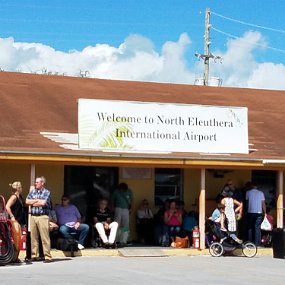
<point x="130" y="160"/>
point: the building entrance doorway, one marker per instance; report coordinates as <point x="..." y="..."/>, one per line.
<point x="87" y="184"/>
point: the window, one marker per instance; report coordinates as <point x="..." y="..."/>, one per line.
<point x="168" y="184"/>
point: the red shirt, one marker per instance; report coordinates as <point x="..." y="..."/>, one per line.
<point x="174" y="219"/>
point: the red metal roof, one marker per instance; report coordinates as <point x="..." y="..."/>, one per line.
<point x="31" y="104"/>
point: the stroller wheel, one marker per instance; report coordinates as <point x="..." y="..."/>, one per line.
<point x="249" y="249"/>
<point x="216" y="249"/>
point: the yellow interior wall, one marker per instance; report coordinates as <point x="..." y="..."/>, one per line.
<point x="142" y="189"/>
<point x="191" y="188"/>
<point x="54" y="175"/>
<point x="14" y="172"/>
<point x="11" y="172"/>
<point x="214" y="185"/>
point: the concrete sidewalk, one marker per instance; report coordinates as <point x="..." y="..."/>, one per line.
<point x="182" y="270"/>
<point x="133" y="251"/>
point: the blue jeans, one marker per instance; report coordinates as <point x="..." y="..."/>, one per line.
<point x="253" y="227"/>
<point x="173" y="231"/>
<point x="81" y="232"/>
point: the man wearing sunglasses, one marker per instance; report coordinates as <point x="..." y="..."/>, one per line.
<point x="69" y="220"/>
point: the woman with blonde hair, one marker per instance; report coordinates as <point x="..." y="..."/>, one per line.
<point x="15" y="205"/>
<point x="15" y="208"/>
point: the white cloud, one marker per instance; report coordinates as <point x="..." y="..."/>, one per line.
<point x="137" y="59"/>
<point x="268" y="76"/>
<point x="240" y="68"/>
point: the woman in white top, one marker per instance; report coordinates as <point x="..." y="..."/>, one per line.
<point x="232" y="207"/>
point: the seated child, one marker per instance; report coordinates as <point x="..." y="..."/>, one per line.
<point x="219" y="217"/>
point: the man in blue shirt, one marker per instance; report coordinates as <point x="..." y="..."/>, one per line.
<point x="69" y="220"/>
<point x="256" y="208"/>
<point x="40" y="200"/>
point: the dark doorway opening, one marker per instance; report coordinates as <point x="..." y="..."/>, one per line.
<point x="266" y="182"/>
<point x="87" y="184"/>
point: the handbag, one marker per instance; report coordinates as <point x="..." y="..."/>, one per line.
<point x="67" y="244"/>
<point x="265" y="225"/>
<point x="180" y="242"/>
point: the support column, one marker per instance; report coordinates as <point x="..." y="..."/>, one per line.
<point x="32" y="182"/>
<point x="202" y="202"/>
<point x="33" y="174"/>
<point x="279" y="195"/>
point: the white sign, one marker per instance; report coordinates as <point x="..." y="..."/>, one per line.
<point x="112" y="125"/>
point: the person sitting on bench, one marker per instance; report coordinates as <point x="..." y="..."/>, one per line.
<point x="69" y="220"/>
<point x="102" y="219"/>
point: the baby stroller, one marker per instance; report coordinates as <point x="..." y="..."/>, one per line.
<point x="223" y="242"/>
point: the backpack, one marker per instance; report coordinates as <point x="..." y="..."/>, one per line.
<point x="67" y="244"/>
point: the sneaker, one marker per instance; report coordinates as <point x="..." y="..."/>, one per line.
<point x="47" y="260"/>
<point x="238" y="240"/>
<point x="80" y="246"/>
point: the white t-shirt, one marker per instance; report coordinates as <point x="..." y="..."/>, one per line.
<point x="254" y="198"/>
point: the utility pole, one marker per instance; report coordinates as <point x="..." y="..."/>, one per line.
<point x="207" y="55"/>
<point x="207" y="47"/>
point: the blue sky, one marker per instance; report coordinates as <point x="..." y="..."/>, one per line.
<point x="68" y="26"/>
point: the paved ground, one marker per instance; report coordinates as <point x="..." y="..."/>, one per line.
<point x="147" y="251"/>
<point x="118" y="270"/>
